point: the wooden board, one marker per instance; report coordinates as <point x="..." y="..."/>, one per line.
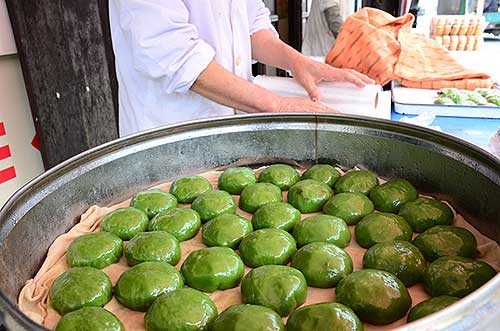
<point x="66" y="57"/>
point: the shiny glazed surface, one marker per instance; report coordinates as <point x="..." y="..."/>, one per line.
<point x="153" y="201"/>
<point x="214" y="203"/>
<point x="97" y="250"/>
<point x="234" y="180"/>
<point x="277" y="287"/>
<point x="279" y="215"/>
<point x="322" y="172"/>
<point x="256" y="195"/>
<point x="281" y="175"/>
<point x="377" y="297"/>
<point x="390" y="196"/>
<point x="446" y="240"/>
<point x="322" y="228"/>
<point x="184" y="309"/>
<point x="90" y="318"/>
<point x="322" y="264"/>
<point x="140" y="285"/>
<point x="248" y="317"/>
<point x="226" y="230"/>
<point x="186" y="189"/>
<point x="125" y="222"/>
<point x="424" y="213"/>
<point x="80" y="287"/>
<point x="267" y="246"/>
<point x="309" y="195"/>
<point x="213" y="268"/>
<point x="324" y="316"/>
<point x="182" y="223"/>
<point x="351" y="207"/>
<point x="358" y="181"/>
<point x="158" y="246"/>
<point x="380" y="227"/>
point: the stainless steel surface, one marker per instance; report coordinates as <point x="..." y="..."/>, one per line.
<point x="51" y="204"/>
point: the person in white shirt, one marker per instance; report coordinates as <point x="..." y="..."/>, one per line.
<point x="181" y="60"/>
<point x="325" y="20"/>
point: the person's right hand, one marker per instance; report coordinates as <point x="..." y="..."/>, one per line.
<point x="298" y="105"/>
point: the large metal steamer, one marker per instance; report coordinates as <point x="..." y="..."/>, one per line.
<point x="435" y="163"/>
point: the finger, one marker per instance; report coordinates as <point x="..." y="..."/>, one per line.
<point x="361" y="76"/>
<point x="348" y="75"/>
<point x="353" y="79"/>
<point x="336" y="74"/>
<point x="312" y="89"/>
<point x="320" y="108"/>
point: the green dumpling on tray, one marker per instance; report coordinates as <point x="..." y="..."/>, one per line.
<point x="234" y="180"/>
<point x="446" y="240"/>
<point x="140" y="285"/>
<point x="267" y="246"/>
<point x="158" y="246"/>
<point x="357" y="181"/>
<point x="185" y="309"/>
<point x="214" y="203"/>
<point x="257" y="195"/>
<point x="90" y="318"/>
<point x="125" y="222"/>
<point x="278" y="287"/>
<point x="279" y="215"/>
<point x="323" y="264"/>
<point x="324" y="228"/>
<point x="226" y="230"/>
<point x="322" y="172"/>
<point x="213" y="268"/>
<point x="381" y="227"/>
<point x="246" y="317"/>
<point x="309" y="195"/>
<point x="153" y="201"/>
<point x="187" y="189"/>
<point x="182" y="223"/>
<point x="324" y="316"/>
<point x="377" y="297"/>
<point x="80" y="287"/>
<point x="281" y="175"/>
<point x="97" y="250"/>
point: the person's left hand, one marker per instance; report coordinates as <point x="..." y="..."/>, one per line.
<point x="309" y="73"/>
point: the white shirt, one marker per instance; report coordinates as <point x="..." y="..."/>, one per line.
<point x="319" y="39"/>
<point x="162" y="46"/>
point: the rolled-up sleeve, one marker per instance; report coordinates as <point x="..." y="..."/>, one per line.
<point x="164" y="45"/>
<point x="258" y="17"/>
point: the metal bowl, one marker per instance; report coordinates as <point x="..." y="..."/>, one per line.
<point x="435" y="163"/>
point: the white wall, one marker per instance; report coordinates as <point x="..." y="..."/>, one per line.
<point x="20" y="161"/>
<point x="7" y="44"/>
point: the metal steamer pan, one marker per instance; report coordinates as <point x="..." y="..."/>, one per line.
<point x="434" y="162"/>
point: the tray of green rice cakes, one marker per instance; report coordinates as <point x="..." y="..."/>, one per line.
<point x="278" y="247"/>
<point x="480" y="103"/>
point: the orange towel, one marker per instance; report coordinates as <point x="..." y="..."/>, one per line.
<point x="383" y="47"/>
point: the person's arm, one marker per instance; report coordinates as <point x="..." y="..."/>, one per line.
<point x="166" y="47"/>
<point x="222" y="86"/>
<point x="268" y="49"/>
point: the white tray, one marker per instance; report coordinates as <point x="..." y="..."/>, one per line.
<point x="411" y="101"/>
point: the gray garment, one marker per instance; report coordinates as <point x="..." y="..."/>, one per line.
<point x="323" y="25"/>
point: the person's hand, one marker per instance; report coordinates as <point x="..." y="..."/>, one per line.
<point x="294" y="105"/>
<point x="309" y="73"/>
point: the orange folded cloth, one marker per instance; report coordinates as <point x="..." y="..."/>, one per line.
<point x="383" y="47"/>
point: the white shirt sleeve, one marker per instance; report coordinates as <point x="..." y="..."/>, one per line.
<point x="164" y="45"/>
<point x="258" y="17"/>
